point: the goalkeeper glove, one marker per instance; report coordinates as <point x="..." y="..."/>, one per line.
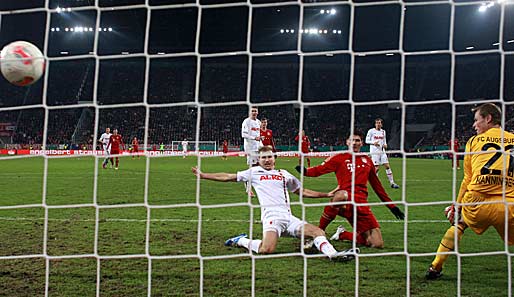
<point x="299" y="169"/>
<point x="397" y="213"/>
<point x="450" y="212"/>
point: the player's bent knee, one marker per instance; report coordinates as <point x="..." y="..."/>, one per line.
<point x="377" y="244"/>
<point x="318" y="232"/>
<point x="340" y="195"/>
<point x="311" y="231"/>
<point x="374" y="238"/>
<point x="266" y="249"/>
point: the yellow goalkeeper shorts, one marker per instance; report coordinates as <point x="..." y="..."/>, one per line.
<point x="480" y="217"/>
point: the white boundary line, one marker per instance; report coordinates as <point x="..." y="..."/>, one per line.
<point x="189" y="220"/>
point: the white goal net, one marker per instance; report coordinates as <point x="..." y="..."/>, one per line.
<point x="75" y="223"/>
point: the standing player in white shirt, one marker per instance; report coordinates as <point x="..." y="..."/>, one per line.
<point x="104" y="139"/>
<point x="251" y="133"/>
<point x="184" y="143"/>
<point x="272" y="187"/>
<point x="376" y="138"/>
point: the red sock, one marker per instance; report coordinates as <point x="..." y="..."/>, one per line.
<point x="117" y="161"/>
<point x="346" y="235"/>
<point x="308" y="162"/>
<point x="329" y="214"/>
<point x="112" y="162"/>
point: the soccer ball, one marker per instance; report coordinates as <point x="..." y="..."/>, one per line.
<point x="22" y="63"/>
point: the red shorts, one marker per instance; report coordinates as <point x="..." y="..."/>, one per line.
<point x="225" y="151"/>
<point x="115" y="151"/>
<point x="365" y="218"/>
<point x="135" y="149"/>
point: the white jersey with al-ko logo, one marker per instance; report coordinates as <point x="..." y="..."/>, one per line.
<point x="373" y="136"/>
<point x="250" y="130"/>
<point x="104" y="139"/>
<point x="272" y="188"/>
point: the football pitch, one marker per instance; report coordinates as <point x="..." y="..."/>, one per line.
<point x="182" y="267"/>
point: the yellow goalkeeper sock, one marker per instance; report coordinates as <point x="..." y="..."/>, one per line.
<point x="447" y="244"/>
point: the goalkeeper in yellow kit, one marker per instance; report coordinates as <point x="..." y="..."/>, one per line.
<point x="488" y="180"/>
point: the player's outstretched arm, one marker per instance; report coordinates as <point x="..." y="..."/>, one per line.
<point x="217" y="176"/>
<point x="326" y="167"/>
<point x="314" y="194"/>
<point x="382" y="195"/>
<point x="397" y="213"/>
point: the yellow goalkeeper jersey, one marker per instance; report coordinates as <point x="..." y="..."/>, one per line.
<point x="486" y="172"/>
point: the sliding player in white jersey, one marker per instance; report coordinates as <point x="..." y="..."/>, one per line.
<point x="272" y="187"/>
<point x="376" y="138"/>
<point x="251" y="133"/>
<point x="104" y="140"/>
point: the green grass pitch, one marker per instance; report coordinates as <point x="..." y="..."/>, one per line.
<point x="182" y="267"/>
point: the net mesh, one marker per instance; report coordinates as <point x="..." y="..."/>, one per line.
<point x="299" y="103"/>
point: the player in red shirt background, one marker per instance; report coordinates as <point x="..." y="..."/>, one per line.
<point x="456" y="147"/>
<point x="115" y="142"/>
<point x="368" y="229"/>
<point x="306" y="146"/>
<point x="267" y="135"/>
<point x="135" y="147"/>
<point x="225" y="149"/>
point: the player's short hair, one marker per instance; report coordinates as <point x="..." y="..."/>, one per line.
<point x="489" y="109"/>
<point x="379" y="120"/>
<point x="264" y="119"/>
<point x="254" y="107"/>
<point x="356" y="132"/>
<point x="265" y="149"/>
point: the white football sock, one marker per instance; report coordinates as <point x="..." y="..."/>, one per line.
<point x="256" y="243"/>
<point x="324" y="246"/>
<point x="250" y="244"/>
<point x="248" y="187"/>
<point x="389" y="173"/>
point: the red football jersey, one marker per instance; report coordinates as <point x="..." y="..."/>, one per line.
<point x="267" y="138"/>
<point x="342" y="165"/>
<point x="115" y="142"/>
<point x="135" y="142"/>
<point x="306" y="143"/>
<point x="456" y="145"/>
<point x="225" y="146"/>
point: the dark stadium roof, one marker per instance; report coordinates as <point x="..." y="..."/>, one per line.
<point x="344" y="62"/>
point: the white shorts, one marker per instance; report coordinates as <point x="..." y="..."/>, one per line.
<point x="107" y="152"/>
<point x="379" y="158"/>
<point x="282" y="222"/>
<point x="252" y="158"/>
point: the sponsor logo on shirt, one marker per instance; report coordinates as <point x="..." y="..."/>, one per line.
<point x="271" y="177"/>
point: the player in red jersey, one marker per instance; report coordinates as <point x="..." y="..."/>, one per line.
<point x="135" y="147"/>
<point x="225" y="149"/>
<point x="456" y="147"/>
<point x="368" y="229"/>
<point x="114" y="144"/>
<point x="267" y="135"/>
<point x="306" y="146"/>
